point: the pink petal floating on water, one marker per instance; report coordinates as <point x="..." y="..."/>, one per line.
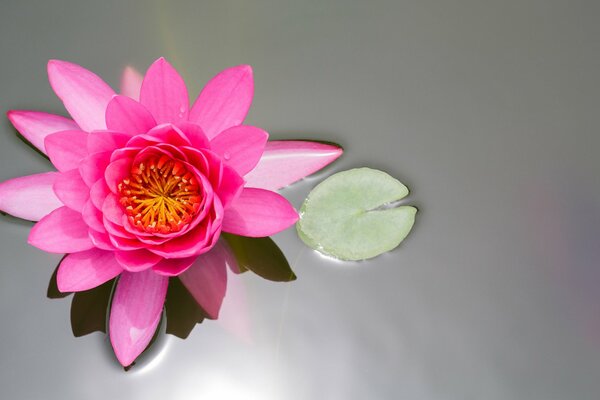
<point x="287" y="161"/>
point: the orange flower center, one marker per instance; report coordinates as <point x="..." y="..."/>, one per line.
<point x="160" y="195"/>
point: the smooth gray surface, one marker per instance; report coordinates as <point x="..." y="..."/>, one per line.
<point x="487" y="110"/>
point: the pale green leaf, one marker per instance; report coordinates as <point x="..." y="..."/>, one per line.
<point x="352" y="216"/>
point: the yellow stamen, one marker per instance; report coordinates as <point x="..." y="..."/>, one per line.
<point x="160" y="195"/>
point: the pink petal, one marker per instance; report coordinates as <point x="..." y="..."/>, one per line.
<point x="113" y="211"/>
<point x="86" y="270"/>
<point x="98" y="193"/>
<point x="131" y="83"/>
<point x="135" y="312"/>
<point x="29" y="197"/>
<point x="71" y="189"/>
<point x="173" y="266"/>
<point x="84" y="94"/>
<point x="197" y="241"/>
<point x="195" y="135"/>
<point x="224" y="101"/>
<point x="206" y="280"/>
<point x="258" y="213"/>
<point x="92" y="217"/>
<point x="137" y="260"/>
<point x="101" y="141"/>
<point x="285" y="162"/>
<point x="101" y="240"/>
<point x="35" y="126"/>
<point x="61" y="231"/>
<point x="230" y="187"/>
<point x="240" y="147"/>
<point x="92" y="167"/>
<point x="126" y="115"/>
<point x="66" y="149"/>
<point x="116" y="172"/>
<point x="164" y="93"/>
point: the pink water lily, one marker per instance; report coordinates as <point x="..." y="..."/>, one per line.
<point x="145" y="184"/>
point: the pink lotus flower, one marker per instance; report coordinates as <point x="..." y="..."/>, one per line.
<point x="146" y="184"/>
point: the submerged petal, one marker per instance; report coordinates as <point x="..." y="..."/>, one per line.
<point x="224" y="101"/>
<point x="86" y="269"/>
<point x="206" y="279"/>
<point x="131" y="83"/>
<point x="164" y="93"/>
<point x="35" y="126"/>
<point x="258" y="213"/>
<point x="29" y="197"/>
<point x="61" y="231"/>
<point x="135" y="312"/>
<point x="84" y="94"/>
<point x="287" y="161"/>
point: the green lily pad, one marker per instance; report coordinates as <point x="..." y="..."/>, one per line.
<point x="351" y="215"/>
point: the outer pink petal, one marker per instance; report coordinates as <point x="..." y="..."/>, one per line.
<point x="241" y="147"/>
<point x="84" y="94"/>
<point x="126" y="115"/>
<point x="66" y="149"/>
<point x="164" y="93"/>
<point x="101" y="141"/>
<point x="131" y="83"/>
<point x="224" y="101"/>
<point x="35" y="126"/>
<point x="259" y="213"/>
<point x="135" y="312"/>
<point x="173" y="266"/>
<point x="86" y="270"/>
<point x="61" y="231"/>
<point x="71" y="189"/>
<point x="137" y="260"/>
<point x="206" y="280"/>
<point x="29" y="197"/>
<point x="285" y="162"/>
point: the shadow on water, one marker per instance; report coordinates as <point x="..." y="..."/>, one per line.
<point x="189" y="301"/>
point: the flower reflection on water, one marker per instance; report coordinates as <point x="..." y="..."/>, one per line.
<point x="188" y="302"/>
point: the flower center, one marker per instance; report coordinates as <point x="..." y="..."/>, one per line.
<point x="160" y="195"/>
